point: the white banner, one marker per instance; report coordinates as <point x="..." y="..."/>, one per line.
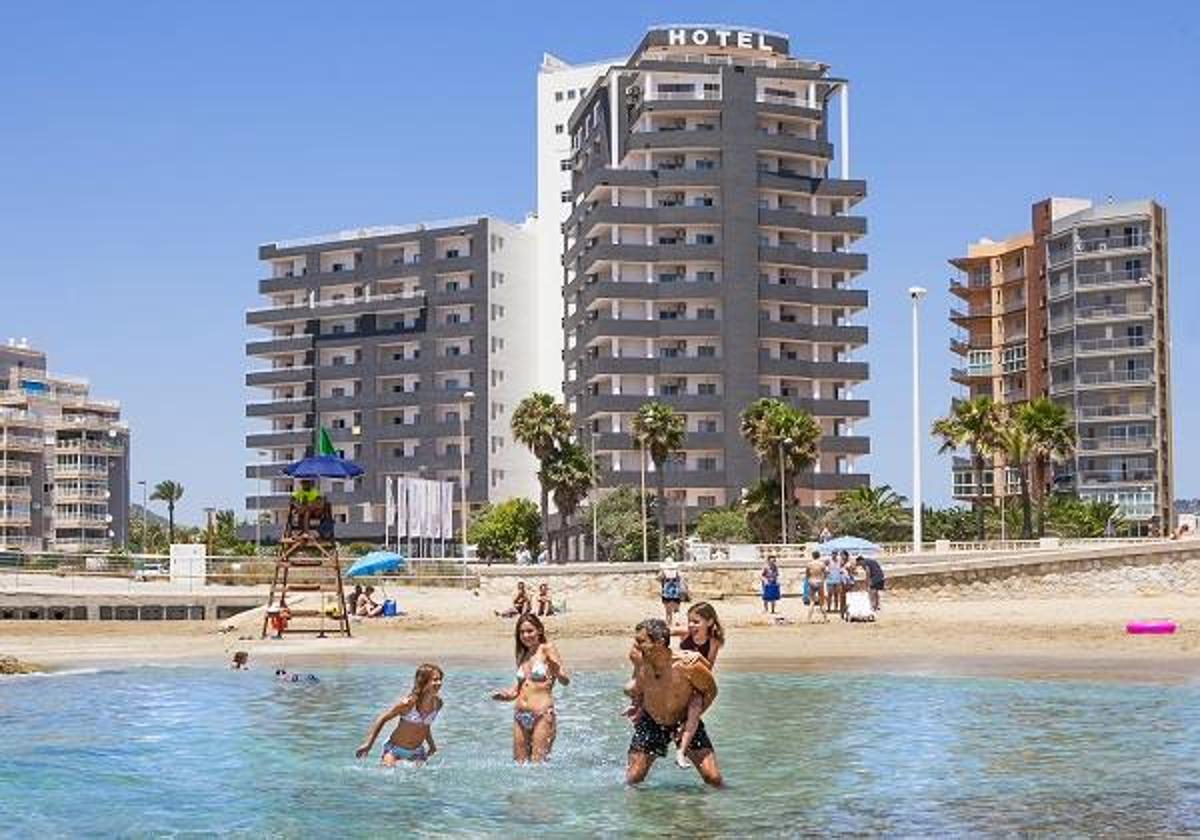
<point x="390" y="513"/>
<point x="447" y="509"/>
<point x="401" y="507"/>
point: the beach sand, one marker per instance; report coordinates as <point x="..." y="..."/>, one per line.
<point x="1063" y="638"/>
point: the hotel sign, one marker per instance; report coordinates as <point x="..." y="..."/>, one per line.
<point x="730" y="38"/>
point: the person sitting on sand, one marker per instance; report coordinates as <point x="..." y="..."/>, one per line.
<point x="545" y="606"/>
<point x="520" y="603"/>
<point x="664" y="683"/>
<point x="539" y="667"/>
<point x="412" y="739"/>
<point x="352" y="600"/>
<point x="367" y="606"/>
<point x="241" y="661"/>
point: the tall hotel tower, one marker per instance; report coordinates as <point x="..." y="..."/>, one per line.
<point x="708" y="261"/>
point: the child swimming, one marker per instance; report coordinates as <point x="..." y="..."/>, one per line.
<point x="412" y="739"/>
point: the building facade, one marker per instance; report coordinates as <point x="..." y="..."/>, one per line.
<point x="404" y="343"/>
<point x="64" y="460"/>
<point x="707" y="258"/>
<point x="1077" y="310"/>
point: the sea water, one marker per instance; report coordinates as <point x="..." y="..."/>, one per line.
<point x="165" y="751"/>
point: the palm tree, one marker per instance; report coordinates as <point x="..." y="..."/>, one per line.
<point x="660" y="430"/>
<point x="784" y="438"/>
<point x="544" y="427"/>
<point x="569" y="475"/>
<point x="1051" y="436"/>
<point x="876" y="513"/>
<point x="972" y="424"/>
<point x="169" y="492"/>
<point x="1016" y="445"/>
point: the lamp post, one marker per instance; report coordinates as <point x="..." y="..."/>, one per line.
<point x="208" y="538"/>
<point x="462" y="468"/>
<point x="783" y="532"/>
<point x="595" y="498"/>
<point x="262" y="453"/>
<point x="145" y="538"/>
<point x="915" y="293"/>
<point x="645" y="536"/>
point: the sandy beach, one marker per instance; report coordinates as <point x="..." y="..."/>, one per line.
<point x="1067" y="638"/>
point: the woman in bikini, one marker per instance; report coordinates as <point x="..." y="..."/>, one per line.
<point x="412" y="739"/>
<point x="539" y="667"/>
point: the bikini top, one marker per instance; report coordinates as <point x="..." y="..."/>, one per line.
<point x="414" y="715"/>
<point x="537" y="672"/>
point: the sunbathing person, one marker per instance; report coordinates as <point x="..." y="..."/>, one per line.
<point x="520" y="603"/>
<point x="367" y="606"/>
<point x="412" y="739"/>
<point x="545" y="606"/>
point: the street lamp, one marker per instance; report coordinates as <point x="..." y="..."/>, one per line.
<point x="262" y="453"/>
<point x="462" y="468"/>
<point x="595" y="498"/>
<point x="783" y="533"/>
<point x="915" y="293"/>
<point x="145" y="539"/>
<point x="645" y="536"/>
<point x="208" y="539"/>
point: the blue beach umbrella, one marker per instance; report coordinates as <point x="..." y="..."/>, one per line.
<point x="376" y="563"/>
<point x="854" y="545"/>
<point x="323" y="466"/>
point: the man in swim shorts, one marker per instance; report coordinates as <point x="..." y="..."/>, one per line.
<point x="665" y="680"/>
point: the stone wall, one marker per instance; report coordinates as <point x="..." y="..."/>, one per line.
<point x="1141" y="569"/>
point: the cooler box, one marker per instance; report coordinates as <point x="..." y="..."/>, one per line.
<point x="389" y="608"/>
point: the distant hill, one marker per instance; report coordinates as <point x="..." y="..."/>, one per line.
<point x="152" y="518"/>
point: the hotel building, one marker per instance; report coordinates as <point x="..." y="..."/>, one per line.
<point x="403" y="342"/>
<point x="708" y="258"/>
<point x="1096" y="279"/>
<point x="64" y="460"/>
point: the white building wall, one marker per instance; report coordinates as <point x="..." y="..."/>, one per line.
<point x="514" y="353"/>
<point x="559" y="89"/>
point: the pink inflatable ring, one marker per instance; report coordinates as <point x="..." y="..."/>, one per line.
<point x="1153" y="626"/>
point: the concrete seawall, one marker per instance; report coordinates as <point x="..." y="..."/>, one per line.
<point x="1149" y="568"/>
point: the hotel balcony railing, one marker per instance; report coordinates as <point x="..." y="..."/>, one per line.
<point x="1064" y="387"/>
<point x="1060" y="255"/>
<point x="14" y="543"/>
<point x="1113" y="278"/>
<point x="1115" y="377"/>
<point x="1119" y="410"/>
<point x="80" y="520"/>
<point x="30" y="443"/>
<point x="972" y="312"/>
<point x="1105" y="345"/>
<point x="350" y="301"/>
<point x="683" y="95"/>
<point x="80" y="471"/>
<point x="15" y="516"/>
<point x="10" y="467"/>
<point x="1115" y="310"/>
<point x="1116" y="476"/>
<point x="1015" y="305"/>
<point x="1060" y="290"/>
<point x="16" y="493"/>
<point x="102" y="447"/>
<point x="1061" y="351"/>
<point x="1115" y="444"/>
<point x="1109" y="243"/>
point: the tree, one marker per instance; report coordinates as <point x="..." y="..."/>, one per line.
<point x="660" y="430"/>
<point x="972" y="424"/>
<point x="169" y="492"/>
<point x="1051" y="436"/>
<point x="761" y="506"/>
<point x="1015" y="444"/>
<point x="874" y="513"/>
<point x="499" y="531"/>
<point x="723" y="526"/>
<point x="568" y="474"/>
<point x="543" y="426"/>
<point x="955" y="524"/>
<point x="1070" y="517"/>
<point x="619" y="526"/>
<point x="784" y="438"/>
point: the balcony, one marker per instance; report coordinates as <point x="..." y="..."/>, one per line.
<point x="1129" y="277"/>
<point x="294" y="375"/>
<point x="15" y="493"/>
<point x="790" y="254"/>
<point x="82" y="544"/>
<point x="301" y="405"/>
<point x="1133" y="476"/>
<point x="281" y="437"/>
<point x="1125" y="242"/>
<point x="1061" y="352"/>
<point x="286" y="344"/>
<point x="18" y="468"/>
<point x="1060" y="290"/>
<point x="1115" y="411"/>
<point x="969" y="376"/>
<point x="971" y="288"/>
<point x="807" y="369"/>
<point x="1114" y="311"/>
<point x="1117" y="444"/>
<point x="819" y="296"/>
<point x="1107" y="346"/>
<point x="80" y="471"/>
<point x="21" y="443"/>
<point x="798" y="331"/>
<point x="98" y="447"/>
<point x="330" y="308"/>
<point x="1122" y="377"/>
<point x="963" y="318"/>
<point x="801" y="220"/>
<point x="975" y="342"/>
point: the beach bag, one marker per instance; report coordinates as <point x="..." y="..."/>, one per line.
<point x="858" y="607"/>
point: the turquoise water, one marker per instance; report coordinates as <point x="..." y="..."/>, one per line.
<point x="153" y="751"/>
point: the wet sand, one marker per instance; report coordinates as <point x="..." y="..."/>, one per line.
<point x="1082" y="638"/>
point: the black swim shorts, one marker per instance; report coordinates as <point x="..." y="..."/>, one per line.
<point x="652" y="738"/>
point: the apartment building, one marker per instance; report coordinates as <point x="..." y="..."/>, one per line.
<point x="64" y="460"/>
<point x="560" y="87"/>
<point x="708" y="258"/>
<point x="1095" y="279"/>
<point x="404" y="342"/>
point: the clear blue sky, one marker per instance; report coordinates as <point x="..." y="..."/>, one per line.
<point x="146" y="149"/>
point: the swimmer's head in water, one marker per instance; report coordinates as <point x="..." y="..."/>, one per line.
<point x="529" y="633"/>
<point x="427" y="677"/>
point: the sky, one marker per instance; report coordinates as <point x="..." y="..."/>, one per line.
<point x="147" y="149"/>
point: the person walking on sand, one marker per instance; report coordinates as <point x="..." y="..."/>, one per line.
<point x="539" y="667"/>
<point x="671" y="585"/>
<point x="770" y="584"/>
<point x="663" y="687"/>
<point x="412" y="739"/>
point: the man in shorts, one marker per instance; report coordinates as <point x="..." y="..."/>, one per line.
<point x="875" y="578"/>
<point x="665" y="681"/>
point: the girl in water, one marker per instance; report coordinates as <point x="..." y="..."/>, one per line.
<point x="539" y="667"/>
<point x="417" y="711"/>
<point x="705" y="635"/>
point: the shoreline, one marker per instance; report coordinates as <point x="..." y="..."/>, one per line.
<point x="1068" y="639"/>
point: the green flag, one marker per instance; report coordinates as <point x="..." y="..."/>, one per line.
<point x="324" y="444"/>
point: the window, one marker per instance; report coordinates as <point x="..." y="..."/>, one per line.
<point x="558" y="129"/>
<point x="565" y="164"/>
<point x="707" y="426"/>
<point x="398" y="357"/>
<point x="706" y="464"/>
<point x="706" y="351"/>
<point x="565" y="195"/>
<point x="497" y="279"/>
<point x="706" y="313"/>
<point x="453" y="350"/>
<point x="558" y="96"/>
<point x="706" y="501"/>
<point x="497" y="344"/>
<point x="571" y="93"/>
<point x="582" y="91"/>
<point x="497" y="311"/>
<point x="707" y="389"/>
<point x="454" y="318"/>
